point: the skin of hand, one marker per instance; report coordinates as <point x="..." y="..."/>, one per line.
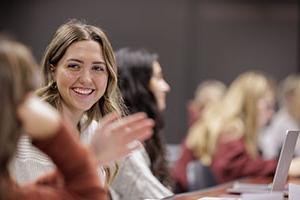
<point x="294" y="170"/>
<point x="116" y="137"/>
<point x="38" y="118"/>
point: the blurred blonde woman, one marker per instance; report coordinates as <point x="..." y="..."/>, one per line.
<point x="226" y="138"/>
<point x="207" y="92"/>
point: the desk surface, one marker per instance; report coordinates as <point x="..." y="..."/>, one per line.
<point x="221" y="190"/>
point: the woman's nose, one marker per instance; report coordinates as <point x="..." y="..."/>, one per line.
<point x="167" y="87"/>
<point x="85" y="76"/>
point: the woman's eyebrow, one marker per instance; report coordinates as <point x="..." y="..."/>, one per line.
<point x="76" y="60"/>
<point x="80" y="61"/>
<point x="99" y="62"/>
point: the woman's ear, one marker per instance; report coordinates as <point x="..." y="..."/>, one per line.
<point x="52" y="68"/>
<point x="52" y="71"/>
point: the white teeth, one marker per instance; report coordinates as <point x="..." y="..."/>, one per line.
<point x="83" y="91"/>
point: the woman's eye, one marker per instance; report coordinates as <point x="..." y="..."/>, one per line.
<point x="73" y="66"/>
<point x="99" y="68"/>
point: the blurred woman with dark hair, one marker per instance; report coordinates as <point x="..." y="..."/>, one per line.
<point x="144" y="174"/>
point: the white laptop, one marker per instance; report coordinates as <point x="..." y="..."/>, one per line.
<point x="281" y="174"/>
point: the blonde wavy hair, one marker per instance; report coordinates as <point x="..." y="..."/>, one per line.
<point x="67" y="34"/>
<point x="236" y="114"/>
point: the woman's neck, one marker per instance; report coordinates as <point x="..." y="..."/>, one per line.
<point x="72" y="117"/>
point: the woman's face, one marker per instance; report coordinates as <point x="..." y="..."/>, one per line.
<point x="159" y="86"/>
<point x="81" y="76"/>
<point x="265" y="109"/>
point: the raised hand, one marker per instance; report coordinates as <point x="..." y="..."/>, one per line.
<point x="117" y="137"/>
<point x="38" y="118"/>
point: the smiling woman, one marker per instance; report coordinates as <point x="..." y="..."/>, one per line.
<point x="22" y="112"/>
<point x="81" y="78"/>
<point x="81" y="55"/>
<point x="81" y="82"/>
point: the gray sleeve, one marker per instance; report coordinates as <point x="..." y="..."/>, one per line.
<point x="135" y="181"/>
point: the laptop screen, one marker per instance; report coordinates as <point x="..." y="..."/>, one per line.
<point x="285" y="159"/>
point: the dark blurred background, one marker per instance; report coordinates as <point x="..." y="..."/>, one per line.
<point x="196" y="39"/>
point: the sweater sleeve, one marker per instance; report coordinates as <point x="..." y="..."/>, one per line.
<point x="231" y="161"/>
<point x="135" y="180"/>
<point x="76" y="177"/>
<point x="179" y="171"/>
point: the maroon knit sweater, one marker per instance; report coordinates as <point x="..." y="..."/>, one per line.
<point x="232" y="161"/>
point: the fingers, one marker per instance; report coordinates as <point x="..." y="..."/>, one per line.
<point x="128" y="122"/>
<point x="126" y="151"/>
<point x="135" y="145"/>
<point x="109" y="118"/>
<point x="129" y="148"/>
<point x="138" y="124"/>
<point x="140" y="130"/>
<point x="110" y="121"/>
<point x="133" y="127"/>
<point x="117" y="137"/>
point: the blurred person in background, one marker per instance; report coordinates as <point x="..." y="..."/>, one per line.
<point x="287" y="118"/>
<point x="144" y="174"/>
<point x="208" y="92"/>
<point x="226" y="138"/>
